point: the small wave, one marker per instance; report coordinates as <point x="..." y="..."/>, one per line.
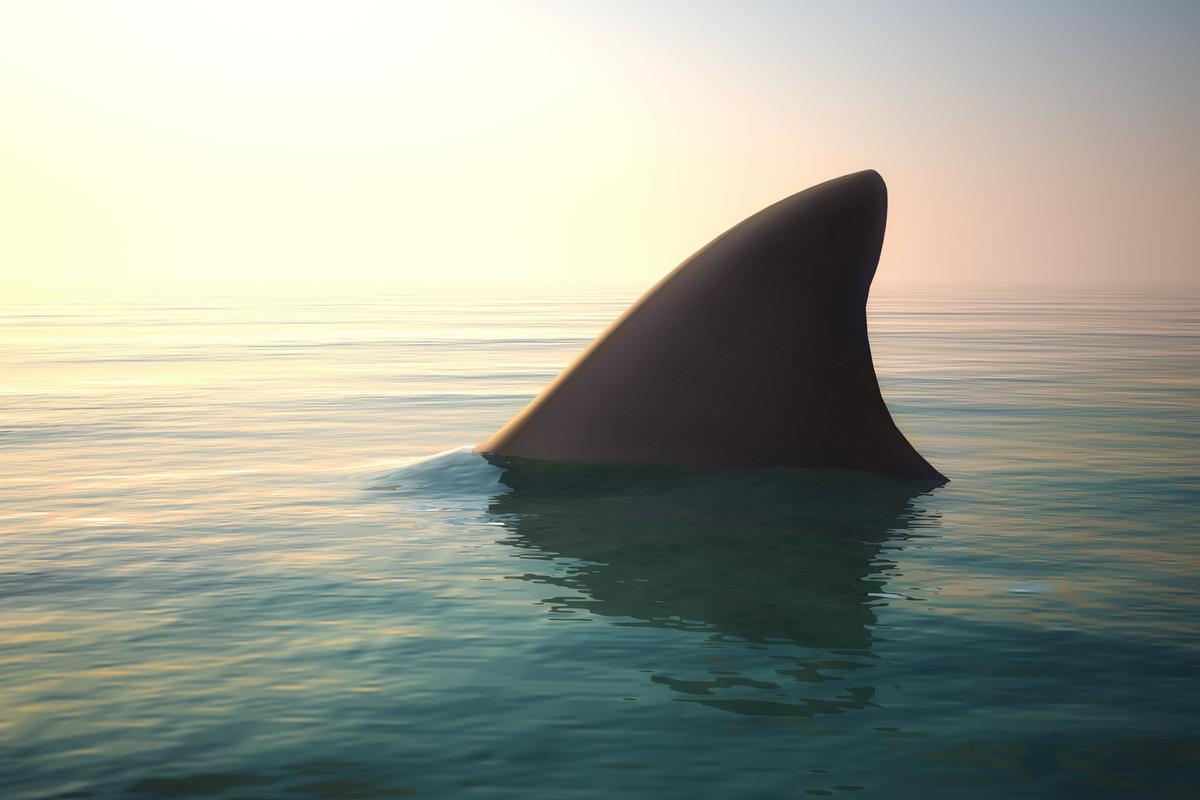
<point x="451" y="473"/>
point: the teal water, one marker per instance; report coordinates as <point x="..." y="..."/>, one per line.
<point x="231" y="567"/>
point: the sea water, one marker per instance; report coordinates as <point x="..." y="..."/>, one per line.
<point x="245" y="553"/>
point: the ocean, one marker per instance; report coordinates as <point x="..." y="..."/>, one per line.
<point x="245" y="552"/>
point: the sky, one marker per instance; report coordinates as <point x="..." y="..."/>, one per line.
<point x="190" y="147"/>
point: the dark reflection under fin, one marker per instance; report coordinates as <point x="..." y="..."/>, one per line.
<point x="754" y="557"/>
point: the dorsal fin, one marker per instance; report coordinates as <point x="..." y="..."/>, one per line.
<point x="752" y="352"/>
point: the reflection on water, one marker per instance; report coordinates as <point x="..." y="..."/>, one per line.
<point x="775" y="556"/>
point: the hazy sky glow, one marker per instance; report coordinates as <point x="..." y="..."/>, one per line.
<point x="150" y="146"/>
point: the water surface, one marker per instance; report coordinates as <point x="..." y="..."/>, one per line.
<point x="230" y="568"/>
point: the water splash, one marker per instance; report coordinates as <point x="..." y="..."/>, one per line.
<point x="456" y="473"/>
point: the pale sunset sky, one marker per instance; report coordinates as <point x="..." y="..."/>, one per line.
<point x="190" y="147"/>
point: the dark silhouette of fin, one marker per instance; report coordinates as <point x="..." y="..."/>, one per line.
<point x="752" y="352"/>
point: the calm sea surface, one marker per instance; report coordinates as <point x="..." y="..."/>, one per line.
<point x="232" y="567"/>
